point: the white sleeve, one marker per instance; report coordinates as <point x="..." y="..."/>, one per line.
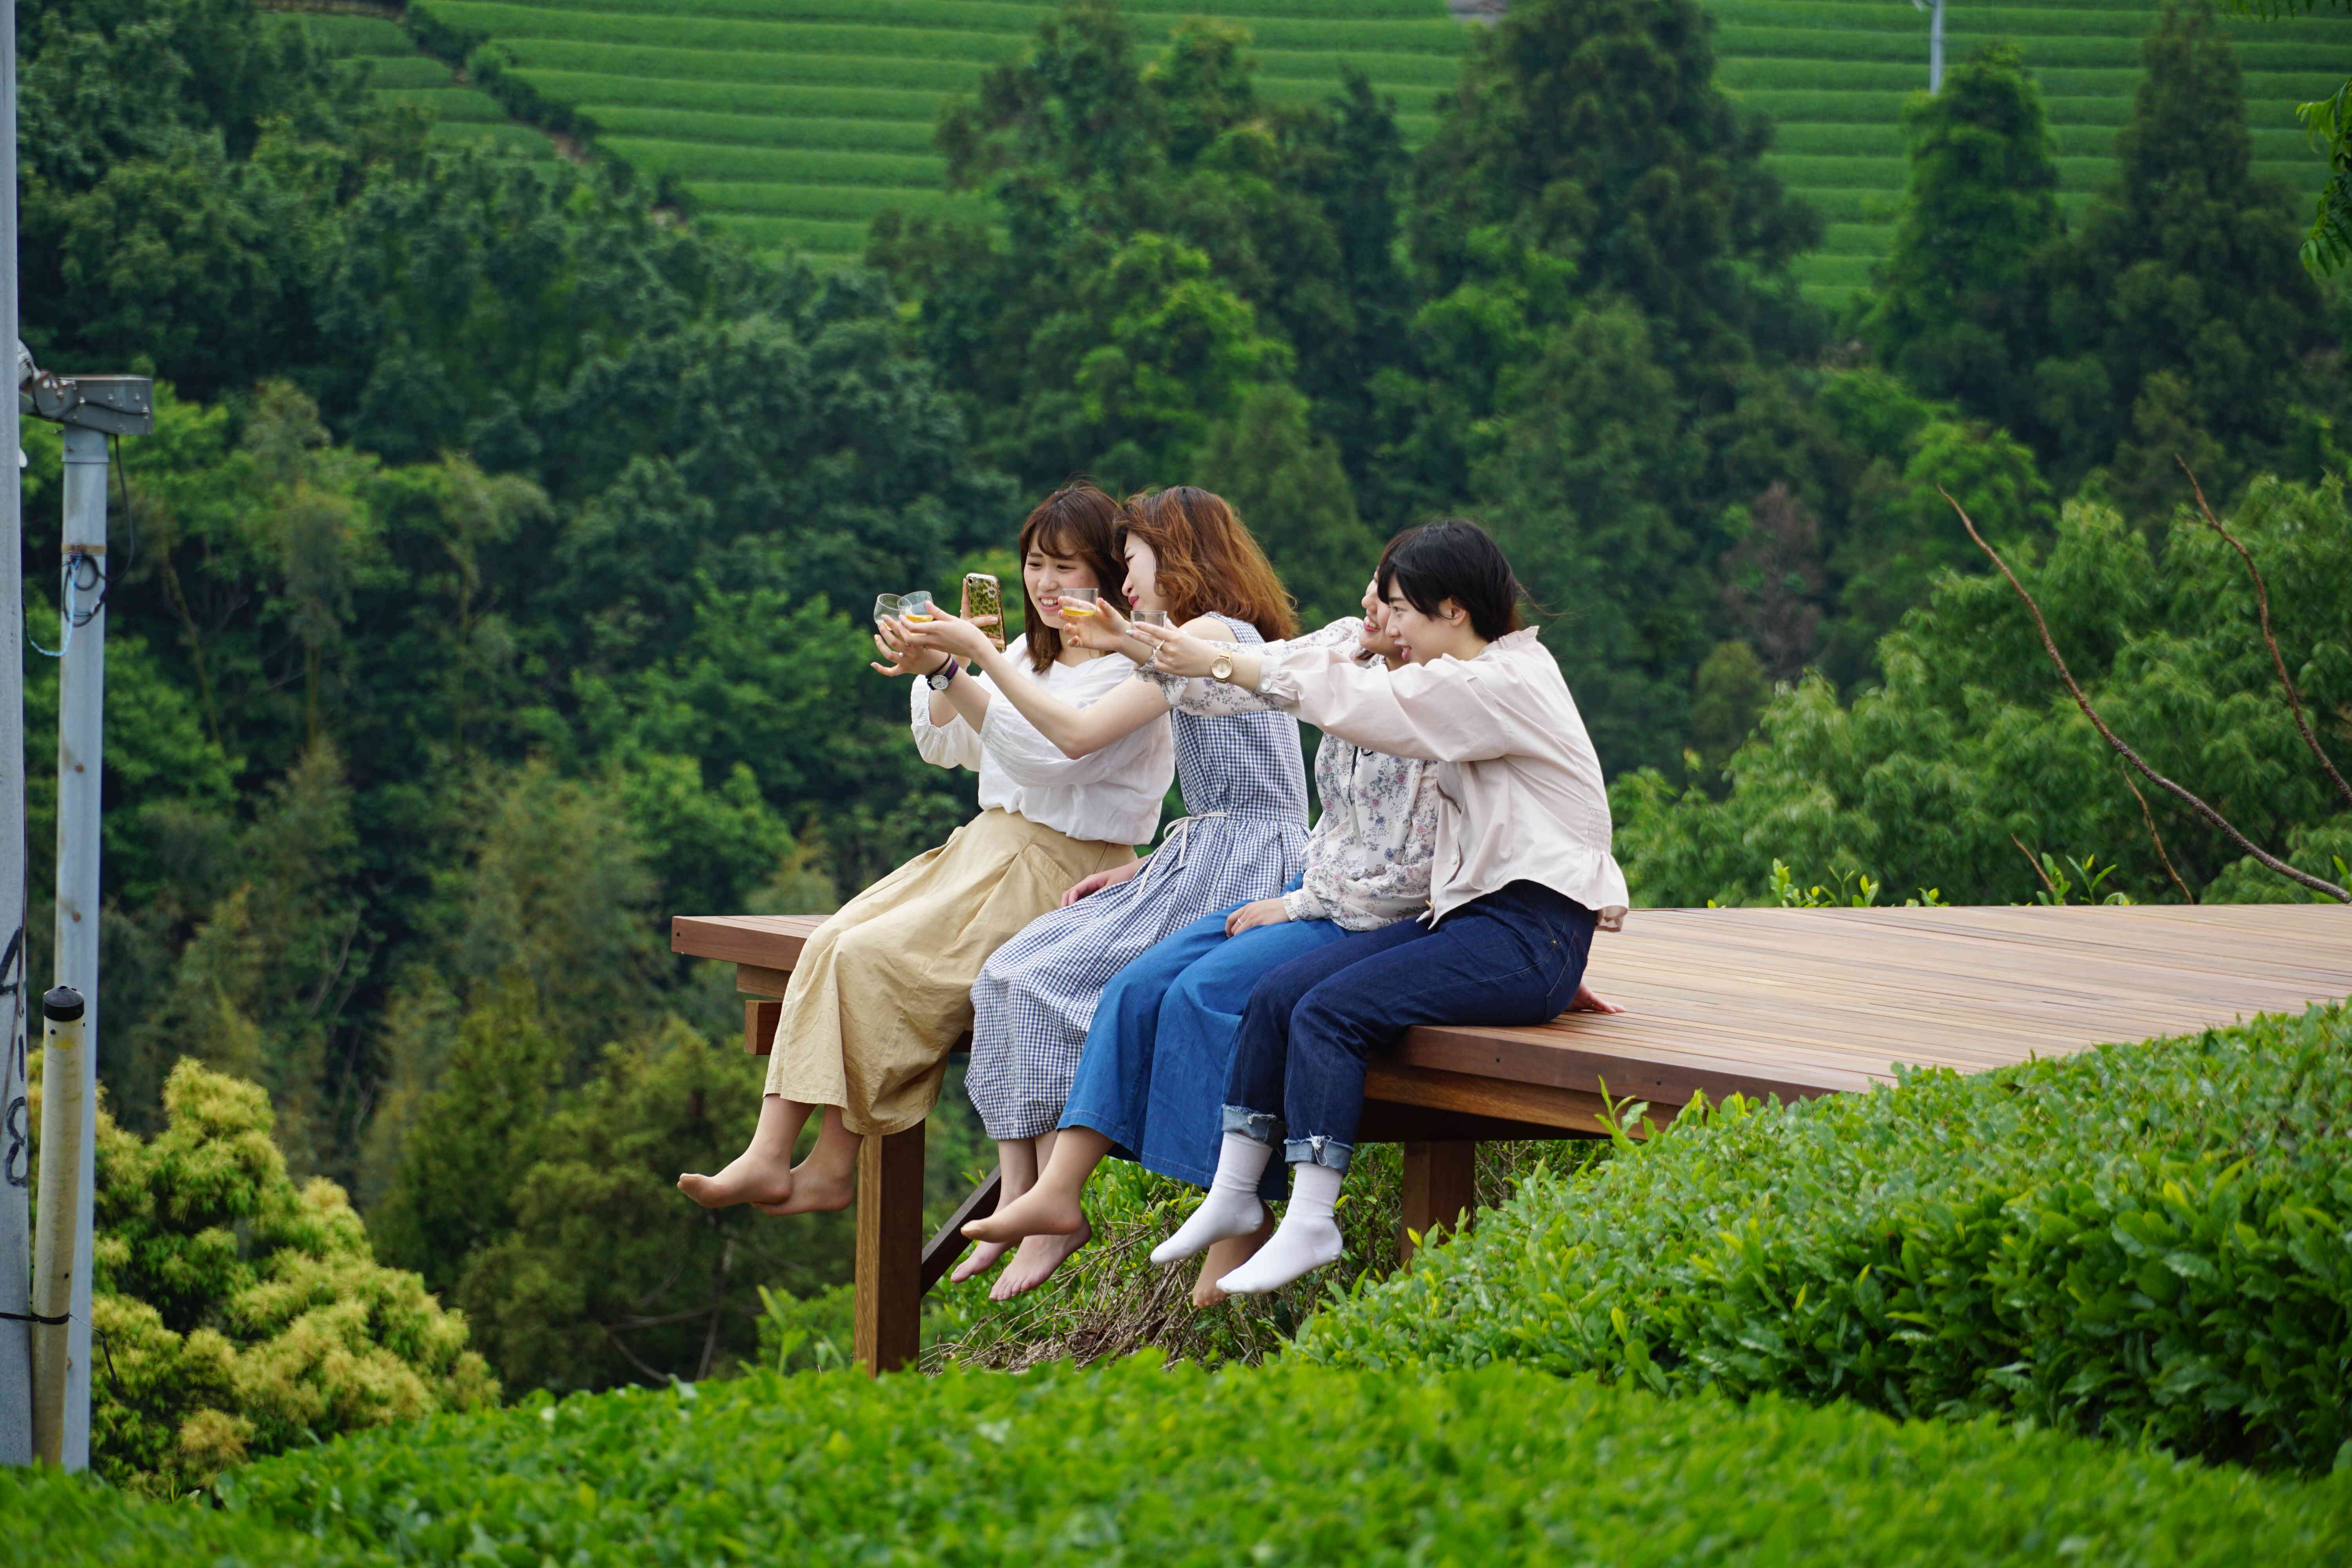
<point x="1030" y="761"/>
<point x="949" y="745"/>
<point x="1448" y="711"/>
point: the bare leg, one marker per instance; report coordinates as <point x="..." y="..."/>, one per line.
<point x="1224" y="1257"/>
<point x="826" y="1181"/>
<point x="1051" y="1207"/>
<point x="1016" y="1173"/>
<point x="1040" y="1254"/>
<point x="763" y="1172"/>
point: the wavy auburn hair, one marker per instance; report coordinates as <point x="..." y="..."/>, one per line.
<point x="1077" y="522"/>
<point x="1208" y="561"/>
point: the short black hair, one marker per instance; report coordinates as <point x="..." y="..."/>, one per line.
<point x="1457" y="559"/>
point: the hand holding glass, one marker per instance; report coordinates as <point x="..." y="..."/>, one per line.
<point x="1179" y="653"/>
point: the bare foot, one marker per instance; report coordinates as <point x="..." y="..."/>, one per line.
<point x="1040" y="1211"/>
<point x="816" y="1190"/>
<point x="754" y="1176"/>
<point x="1224" y="1257"/>
<point x="982" y="1258"/>
<point x="1039" y="1256"/>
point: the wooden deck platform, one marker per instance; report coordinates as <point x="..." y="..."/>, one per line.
<point x="1793" y="1003"/>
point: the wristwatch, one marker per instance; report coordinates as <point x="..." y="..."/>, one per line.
<point x="944" y="676"/>
<point x="1221" y="666"/>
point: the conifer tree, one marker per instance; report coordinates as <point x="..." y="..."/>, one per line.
<point x="2178" y="315"/>
<point x="1954" y="313"/>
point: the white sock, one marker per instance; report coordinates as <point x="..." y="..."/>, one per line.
<point x="1308" y="1238"/>
<point x="1231" y="1208"/>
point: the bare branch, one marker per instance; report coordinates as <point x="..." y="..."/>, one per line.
<point x="2262" y="601"/>
<point x="2228" y="829"/>
<point x="2158" y="839"/>
<point x="2039" y="875"/>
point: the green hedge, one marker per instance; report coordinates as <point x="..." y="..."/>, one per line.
<point x="1132" y="1464"/>
<point x="2147" y="1242"/>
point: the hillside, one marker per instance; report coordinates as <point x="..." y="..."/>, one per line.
<point x="1833" y="75"/>
<point x="399" y="73"/>
<point x="796" y="121"/>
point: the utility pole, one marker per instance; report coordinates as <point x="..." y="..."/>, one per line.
<point x="16" y="1129"/>
<point x="1934" y="41"/>
<point x="90" y="408"/>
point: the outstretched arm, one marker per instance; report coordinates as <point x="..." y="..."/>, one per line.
<point x="1077" y="731"/>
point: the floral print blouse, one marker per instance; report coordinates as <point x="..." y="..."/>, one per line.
<point x="1367" y="860"/>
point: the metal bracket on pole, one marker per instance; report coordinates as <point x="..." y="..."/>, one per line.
<point x="116" y="405"/>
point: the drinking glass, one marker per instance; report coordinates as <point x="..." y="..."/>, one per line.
<point x="887" y="606"/>
<point x="1081" y="607"/>
<point x="916" y="606"/>
<point x="1150" y="617"/>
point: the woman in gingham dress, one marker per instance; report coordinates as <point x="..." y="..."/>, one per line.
<point x="1243" y="836"/>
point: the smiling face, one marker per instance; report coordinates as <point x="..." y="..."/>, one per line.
<point x="1049" y="573"/>
<point x="1375" y="637"/>
<point x="1142" y="577"/>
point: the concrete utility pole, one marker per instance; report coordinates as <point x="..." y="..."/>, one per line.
<point x="82" y="726"/>
<point x="1934" y="41"/>
<point x="16" y="1132"/>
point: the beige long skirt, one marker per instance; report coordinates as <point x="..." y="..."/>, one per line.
<point x="884" y="988"/>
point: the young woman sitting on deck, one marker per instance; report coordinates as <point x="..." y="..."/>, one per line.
<point x="884" y="988"/>
<point x="1242" y="838"/>
<point x="1521" y="879"/>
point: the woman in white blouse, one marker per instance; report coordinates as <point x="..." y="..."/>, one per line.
<point x="883" y="989"/>
<point x="1522" y="877"/>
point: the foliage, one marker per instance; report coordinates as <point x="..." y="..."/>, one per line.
<point x="1182" y="1466"/>
<point x="2179" y="320"/>
<point x="1970" y="750"/>
<point x="237" y="1315"/>
<point x="1956" y="315"/>
<point x="2145" y="1242"/>
<point x="1111" y="1300"/>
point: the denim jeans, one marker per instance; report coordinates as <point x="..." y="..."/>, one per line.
<point x="1513" y="957"/>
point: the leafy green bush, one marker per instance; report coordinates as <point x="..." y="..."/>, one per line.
<point x="238" y="1314"/>
<point x="1285" y="1464"/>
<point x="2151" y="1242"/>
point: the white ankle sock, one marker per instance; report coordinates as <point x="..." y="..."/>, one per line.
<point x="1308" y="1239"/>
<point x="1231" y="1208"/>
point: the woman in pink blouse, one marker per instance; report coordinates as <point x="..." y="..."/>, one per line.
<point x="1522" y="877"/>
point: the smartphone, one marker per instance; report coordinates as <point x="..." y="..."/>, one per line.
<point x="983" y="602"/>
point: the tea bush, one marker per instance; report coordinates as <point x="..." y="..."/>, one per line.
<point x="1287" y="1463"/>
<point x="2148" y="1242"/>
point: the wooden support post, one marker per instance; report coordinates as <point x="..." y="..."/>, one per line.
<point x="1441" y="1188"/>
<point x="759" y="1015"/>
<point x="947" y="1244"/>
<point x="890" y="1250"/>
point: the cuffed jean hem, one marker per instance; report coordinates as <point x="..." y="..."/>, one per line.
<point x="1319" y="1150"/>
<point x="1257" y="1126"/>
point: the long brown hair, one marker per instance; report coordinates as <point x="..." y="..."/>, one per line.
<point x="1080" y="522"/>
<point x="1208" y="561"/>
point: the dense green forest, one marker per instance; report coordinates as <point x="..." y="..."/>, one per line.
<point x="493" y="584"/>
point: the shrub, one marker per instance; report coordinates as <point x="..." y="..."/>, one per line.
<point x="2151" y="1242"/>
<point x="1290" y="1463"/>
<point x="239" y="1315"/>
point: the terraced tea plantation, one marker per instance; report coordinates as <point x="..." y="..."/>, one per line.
<point x="1834" y="76"/>
<point x="402" y="75"/>
<point x="793" y="122"/>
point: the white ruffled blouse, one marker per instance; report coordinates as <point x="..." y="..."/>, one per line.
<point x="1112" y="796"/>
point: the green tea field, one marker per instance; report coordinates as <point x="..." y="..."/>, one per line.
<point x="401" y="74"/>
<point x="793" y="122"/>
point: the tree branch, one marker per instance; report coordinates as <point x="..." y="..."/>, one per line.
<point x="2262" y="601"/>
<point x="2228" y="829"/>
<point x="2158" y="839"/>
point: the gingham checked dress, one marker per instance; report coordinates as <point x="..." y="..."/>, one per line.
<point x="1242" y="836"/>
